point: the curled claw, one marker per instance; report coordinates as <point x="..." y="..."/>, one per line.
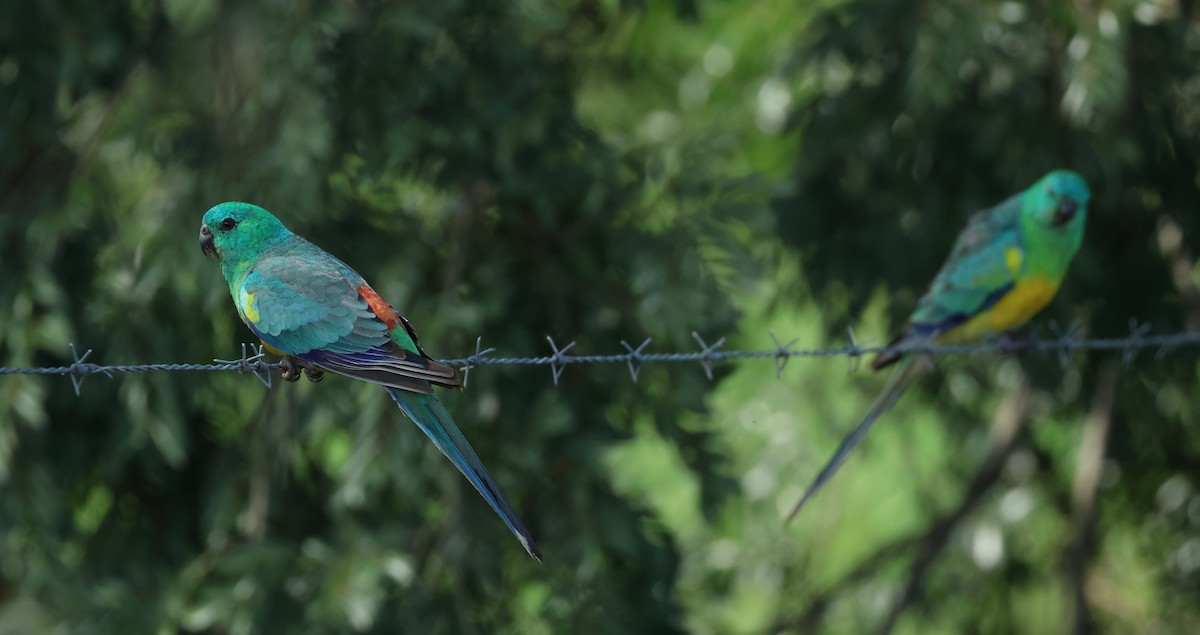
<point x="313" y="373"/>
<point x="289" y="368"/>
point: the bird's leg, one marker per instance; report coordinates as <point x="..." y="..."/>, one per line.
<point x="1012" y="342"/>
<point x="290" y="368"/>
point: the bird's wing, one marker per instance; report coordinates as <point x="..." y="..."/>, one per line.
<point x="322" y="315"/>
<point x="982" y="267"/>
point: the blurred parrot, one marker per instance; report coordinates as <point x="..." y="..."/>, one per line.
<point x="318" y="313"/>
<point x="1005" y="266"/>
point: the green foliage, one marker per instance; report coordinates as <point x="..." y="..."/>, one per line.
<point x="594" y="171"/>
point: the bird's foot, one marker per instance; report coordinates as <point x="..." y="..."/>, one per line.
<point x="1016" y="341"/>
<point x="290" y="367"/>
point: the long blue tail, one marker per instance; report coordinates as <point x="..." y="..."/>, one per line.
<point x="429" y="415"/>
<point x="907" y="370"/>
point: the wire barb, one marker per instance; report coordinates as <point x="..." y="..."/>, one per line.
<point x="853" y="353"/>
<point x="252" y="364"/>
<point x="79" y="370"/>
<point x="783" y="352"/>
<point x="1134" y="343"/>
<point x="1063" y="335"/>
<point x="474" y="360"/>
<point x="635" y="357"/>
<point x="559" y="360"/>
<point x="708" y="353"/>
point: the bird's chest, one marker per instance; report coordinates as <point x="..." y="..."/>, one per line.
<point x="1027" y="297"/>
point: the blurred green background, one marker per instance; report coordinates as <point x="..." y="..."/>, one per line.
<point x="595" y="170"/>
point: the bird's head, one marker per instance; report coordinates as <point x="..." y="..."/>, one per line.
<point x="1058" y="202"/>
<point x="238" y="231"/>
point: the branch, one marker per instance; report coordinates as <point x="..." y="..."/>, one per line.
<point x="1006" y="426"/>
<point x="808" y="621"/>
<point x="1083" y="496"/>
<point x="1009" y="420"/>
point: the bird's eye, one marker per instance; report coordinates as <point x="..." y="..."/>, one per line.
<point x="228" y="224"/>
<point x="1064" y="212"/>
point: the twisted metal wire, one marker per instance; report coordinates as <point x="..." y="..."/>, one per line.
<point x="1063" y="344"/>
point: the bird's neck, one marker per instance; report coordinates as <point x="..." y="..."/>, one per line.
<point x="1048" y="253"/>
<point x="235" y="270"/>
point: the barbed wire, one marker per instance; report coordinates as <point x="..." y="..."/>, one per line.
<point x="1063" y="344"/>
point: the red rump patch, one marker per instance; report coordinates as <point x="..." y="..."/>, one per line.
<point x="379" y="307"/>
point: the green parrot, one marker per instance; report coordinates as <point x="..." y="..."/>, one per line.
<point x="1005" y="266"/>
<point x="318" y="313"/>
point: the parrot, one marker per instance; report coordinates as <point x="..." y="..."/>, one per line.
<point x="1004" y="267"/>
<point x="318" y="314"/>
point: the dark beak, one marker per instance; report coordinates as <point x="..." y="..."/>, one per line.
<point x="1065" y="212"/>
<point x="206" y="242"/>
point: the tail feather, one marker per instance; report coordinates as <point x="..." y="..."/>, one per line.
<point x="907" y="370"/>
<point x="429" y="415"/>
<point x="887" y="357"/>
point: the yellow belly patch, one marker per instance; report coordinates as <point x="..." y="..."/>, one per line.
<point x="272" y="350"/>
<point x="1017" y="306"/>
<point x="247" y="306"/>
